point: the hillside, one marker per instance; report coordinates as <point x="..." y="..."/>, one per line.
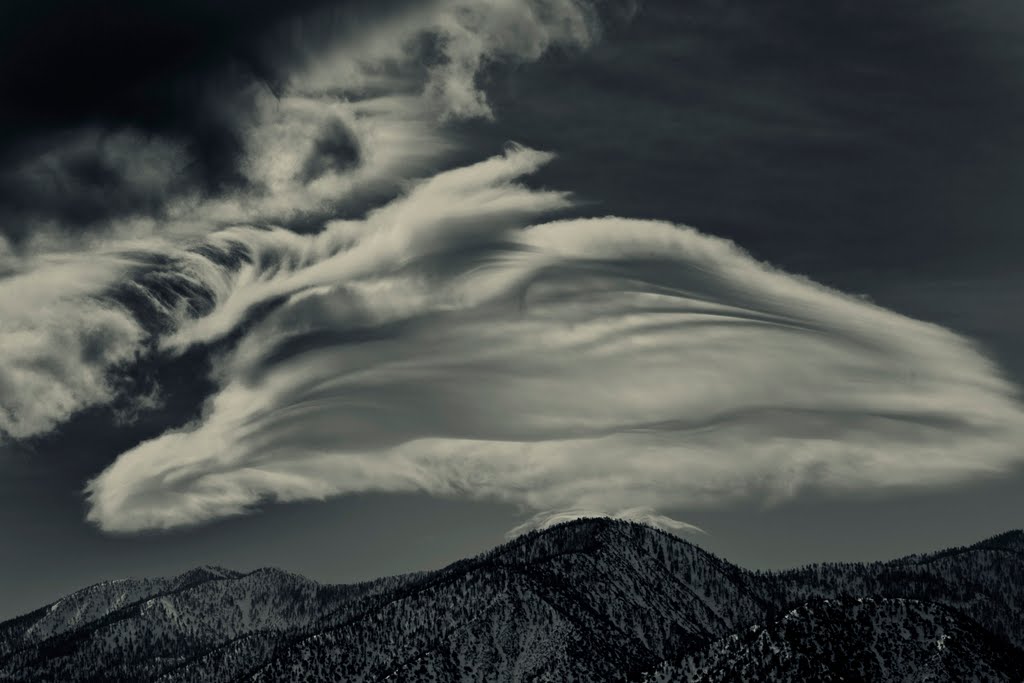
<point x="983" y="581"/>
<point x="589" y="600"/>
<point x="862" y="639"/>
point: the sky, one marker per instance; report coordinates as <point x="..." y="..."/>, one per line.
<point x="361" y="288"/>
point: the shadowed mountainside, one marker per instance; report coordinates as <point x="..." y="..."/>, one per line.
<point x="588" y="600"/>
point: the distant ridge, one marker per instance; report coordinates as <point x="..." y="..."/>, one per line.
<point x="587" y="600"/>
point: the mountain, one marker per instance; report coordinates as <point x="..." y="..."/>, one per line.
<point x="854" y="639"/>
<point x="590" y="600"/>
<point x="984" y="581"/>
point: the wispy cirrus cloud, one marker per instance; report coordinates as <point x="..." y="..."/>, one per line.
<point x="59" y="341"/>
<point x="345" y="129"/>
<point x="451" y="344"/>
<point x="267" y="149"/>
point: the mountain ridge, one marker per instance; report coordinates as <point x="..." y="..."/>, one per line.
<point x="588" y="599"/>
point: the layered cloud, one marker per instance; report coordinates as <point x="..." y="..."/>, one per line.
<point x="449" y="343"/>
<point x="357" y="112"/>
<point x="380" y="321"/>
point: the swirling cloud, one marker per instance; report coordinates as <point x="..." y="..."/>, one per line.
<point x="349" y="127"/>
<point x="58" y="342"/>
<point x="456" y="339"/>
<point x="449" y="343"/>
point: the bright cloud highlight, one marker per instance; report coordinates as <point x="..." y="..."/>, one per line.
<point x="450" y="344"/>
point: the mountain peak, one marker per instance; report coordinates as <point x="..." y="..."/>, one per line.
<point x="215" y="572"/>
<point x="204" y="573"/>
<point x="590" y="599"/>
<point x="597" y="525"/>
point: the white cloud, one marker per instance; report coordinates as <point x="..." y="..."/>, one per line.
<point x="57" y="356"/>
<point x="446" y="209"/>
<point x="602" y="365"/>
<point x="58" y="341"/>
<point x="371" y="79"/>
<point x="451" y="344"/>
<point x="473" y="33"/>
<point x="546" y="520"/>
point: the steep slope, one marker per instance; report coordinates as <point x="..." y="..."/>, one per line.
<point x="878" y="639"/>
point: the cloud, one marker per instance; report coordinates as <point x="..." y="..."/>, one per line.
<point x="470" y="34"/>
<point x="450" y="210"/>
<point x="92" y="175"/>
<point x="545" y="520"/>
<point x="129" y="207"/>
<point x="334" y="149"/>
<point x="58" y="342"/>
<point x="280" y="122"/>
<point x="449" y="343"/>
<point x="455" y="339"/>
<point x="180" y="71"/>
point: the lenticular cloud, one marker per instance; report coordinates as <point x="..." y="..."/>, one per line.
<point x="453" y="342"/>
<point x="460" y="339"/>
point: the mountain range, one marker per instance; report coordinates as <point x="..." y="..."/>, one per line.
<point x="590" y="600"/>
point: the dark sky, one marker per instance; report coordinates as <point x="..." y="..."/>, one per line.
<point x="875" y="147"/>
